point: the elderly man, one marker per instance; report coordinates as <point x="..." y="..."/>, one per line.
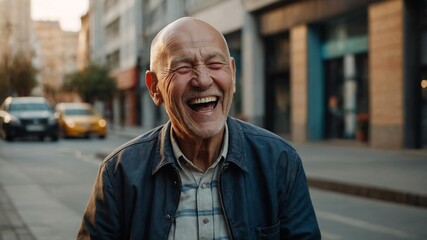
<point x="202" y="175"/>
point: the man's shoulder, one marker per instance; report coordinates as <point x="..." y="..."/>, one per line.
<point x="257" y="133"/>
<point x="145" y="141"/>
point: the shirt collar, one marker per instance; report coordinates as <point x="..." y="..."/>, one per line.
<point x="178" y="153"/>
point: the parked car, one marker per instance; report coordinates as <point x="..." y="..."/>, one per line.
<point x="80" y="120"/>
<point x="27" y="117"/>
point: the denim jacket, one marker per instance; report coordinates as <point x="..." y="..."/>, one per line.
<point x="263" y="189"/>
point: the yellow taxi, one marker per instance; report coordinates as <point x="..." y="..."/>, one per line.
<point x="80" y="120"/>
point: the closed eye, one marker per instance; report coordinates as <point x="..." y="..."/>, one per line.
<point x="183" y="69"/>
<point x="215" y="65"/>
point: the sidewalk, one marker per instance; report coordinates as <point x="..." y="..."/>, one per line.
<point x="353" y="168"/>
<point x="11" y="225"/>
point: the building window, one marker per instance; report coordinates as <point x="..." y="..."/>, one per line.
<point x="112" y="30"/>
<point x="345" y="54"/>
<point x="113" y="59"/>
<point x="197" y="5"/>
<point x="278" y="107"/>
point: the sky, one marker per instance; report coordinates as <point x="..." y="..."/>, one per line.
<point x="67" y="12"/>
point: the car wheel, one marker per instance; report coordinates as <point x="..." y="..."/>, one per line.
<point x="54" y="138"/>
<point x="41" y="138"/>
<point x="9" y="138"/>
<point x="101" y="136"/>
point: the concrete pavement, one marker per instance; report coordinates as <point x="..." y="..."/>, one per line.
<point x="343" y="166"/>
<point x="12" y="227"/>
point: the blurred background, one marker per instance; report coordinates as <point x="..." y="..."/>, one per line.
<point x="344" y="80"/>
<point x="309" y="69"/>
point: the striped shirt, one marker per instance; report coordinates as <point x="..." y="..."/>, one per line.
<point x="199" y="214"/>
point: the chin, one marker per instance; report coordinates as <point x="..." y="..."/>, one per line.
<point x="208" y="130"/>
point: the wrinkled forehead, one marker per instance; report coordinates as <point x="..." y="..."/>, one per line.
<point x="195" y="34"/>
<point x="201" y="42"/>
<point x="190" y="34"/>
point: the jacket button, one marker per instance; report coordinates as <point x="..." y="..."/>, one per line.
<point x="168" y="216"/>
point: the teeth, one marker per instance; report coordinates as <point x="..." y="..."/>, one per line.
<point x="203" y="100"/>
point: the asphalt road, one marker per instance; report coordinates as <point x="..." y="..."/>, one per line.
<point x="49" y="184"/>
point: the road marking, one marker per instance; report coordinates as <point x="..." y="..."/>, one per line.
<point x="363" y="224"/>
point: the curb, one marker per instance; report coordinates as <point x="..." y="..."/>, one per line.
<point x="386" y="195"/>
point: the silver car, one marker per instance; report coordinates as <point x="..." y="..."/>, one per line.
<point x="27" y="117"/>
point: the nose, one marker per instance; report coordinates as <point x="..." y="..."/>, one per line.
<point x="202" y="77"/>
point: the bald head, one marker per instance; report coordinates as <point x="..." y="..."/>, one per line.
<point x="193" y="75"/>
<point x="186" y="29"/>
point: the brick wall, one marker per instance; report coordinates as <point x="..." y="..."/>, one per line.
<point x="386" y="74"/>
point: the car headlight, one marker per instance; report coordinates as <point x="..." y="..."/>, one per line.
<point x="12" y="120"/>
<point x="102" y="123"/>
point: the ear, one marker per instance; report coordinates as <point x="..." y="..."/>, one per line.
<point x="151" y="82"/>
<point x="233" y="69"/>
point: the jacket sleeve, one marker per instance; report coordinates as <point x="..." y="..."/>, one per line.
<point x="101" y="218"/>
<point x="297" y="216"/>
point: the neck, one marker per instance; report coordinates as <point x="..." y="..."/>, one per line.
<point x="202" y="152"/>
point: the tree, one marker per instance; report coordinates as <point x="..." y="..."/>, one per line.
<point x="22" y="76"/>
<point x="17" y="77"/>
<point x="93" y="83"/>
<point x="3" y="84"/>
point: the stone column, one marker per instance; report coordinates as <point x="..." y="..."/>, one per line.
<point x="299" y="70"/>
<point x="386" y="74"/>
<point x="253" y="72"/>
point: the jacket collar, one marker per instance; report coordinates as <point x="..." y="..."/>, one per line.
<point x="236" y="148"/>
<point x="164" y="153"/>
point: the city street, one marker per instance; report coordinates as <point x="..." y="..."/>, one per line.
<point x="344" y="81"/>
<point x="48" y="183"/>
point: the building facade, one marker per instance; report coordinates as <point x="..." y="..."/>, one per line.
<point x="83" y="46"/>
<point x="15" y="40"/>
<point x="116" y="28"/>
<point x="15" y="27"/>
<point x="57" y="56"/>
<point x="320" y="69"/>
<point x="347" y="69"/>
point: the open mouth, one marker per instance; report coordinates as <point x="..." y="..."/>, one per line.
<point x="203" y="104"/>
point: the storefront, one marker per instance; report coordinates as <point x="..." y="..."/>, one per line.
<point x="344" y="52"/>
<point x="234" y="41"/>
<point x="422" y="86"/>
<point x="124" y="109"/>
<point x="277" y="84"/>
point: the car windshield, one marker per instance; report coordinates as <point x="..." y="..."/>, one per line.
<point x="29" y="107"/>
<point x="78" y="111"/>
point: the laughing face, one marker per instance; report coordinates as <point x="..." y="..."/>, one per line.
<point x="193" y="75"/>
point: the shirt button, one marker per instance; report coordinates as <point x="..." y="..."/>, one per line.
<point x="168" y="216"/>
<point x="204" y="185"/>
<point x="205" y="221"/>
